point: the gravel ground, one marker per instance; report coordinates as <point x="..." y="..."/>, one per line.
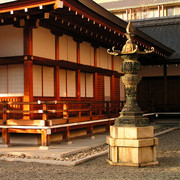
<point x="168" y="155"/>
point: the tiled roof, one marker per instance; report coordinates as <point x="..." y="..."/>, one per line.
<point x="166" y="34"/>
<point x="131" y="3"/>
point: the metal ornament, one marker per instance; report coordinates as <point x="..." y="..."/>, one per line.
<point x="131" y="114"/>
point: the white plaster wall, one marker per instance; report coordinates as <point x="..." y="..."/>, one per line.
<point x="37" y="80"/>
<point x="117" y="63"/>
<point x="16" y="80"/>
<point x="3" y="81"/>
<point x="83" y="84"/>
<point x="67" y="49"/>
<point x="63" y="50"/>
<point x="107" y="88"/>
<point x="11" y="41"/>
<point x="72" y="50"/>
<point x="43" y="43"/>
<point x="71" y="83"/>
<point x="122" y="91"/>
<point x="89" y="85"/>
<point x="48" y="81"/>
<point x="151" y="71"/>
<point x="173" y="70"/>
<point x="103" y="59"/>
<point x="62" y="79"/>
<point x="86" y="54"/>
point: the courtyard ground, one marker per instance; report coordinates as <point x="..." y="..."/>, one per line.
<point x="168" y="155"/>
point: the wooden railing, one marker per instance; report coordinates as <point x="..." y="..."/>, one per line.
<point x="56" y="112"/>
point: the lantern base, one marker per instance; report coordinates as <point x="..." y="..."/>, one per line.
<point x="132" y="146"/>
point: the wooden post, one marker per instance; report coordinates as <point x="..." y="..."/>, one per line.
<point x="5" y="113"/>
<point x="45" y="114"/>
<point x="5" y="136"/>
<point x="66" y="134"/>
<point x="90" y="130"/>
<point x="95" y="81"/>
<point x="45" y="139"/>
<point x="65" y="112"/>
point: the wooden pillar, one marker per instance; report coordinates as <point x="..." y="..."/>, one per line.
<point x="165" y="88"/>
<point x="95" y="76"/>
<point x="56" y="70"/>
<point x="28" y="71"/>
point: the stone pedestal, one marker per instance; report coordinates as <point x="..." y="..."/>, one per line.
<point x="132" y="146"/>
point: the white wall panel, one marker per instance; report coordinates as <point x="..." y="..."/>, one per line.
<point x="67" y="49"/>
<point x="83" y="80"/>
<point x="37" y="80"/>
<point x="86" y="54"/>
<point x="63" y="50"/>
<point x="3" y="81"/>
<point x="72" y="50"/>
<point x="117" y="63"/>
<point x="103" y="59"/>
<point x="173" y="70"/>
<point x="71" y="83"/>
<point x="107" y="88"/>
<point x="62" y="79"/>
<point x="48" y="81"/>
<point x="148" y="71"/>
<point x="122" y="91"/>
<point x="43" y="43"/>
<point x="89" y="85"/>
<point x="11" y="41"/>
<point x="16" y="80"/>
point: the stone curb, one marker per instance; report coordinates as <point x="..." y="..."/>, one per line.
<point x="166" y="131"/>
<point x="63" y="163"/>
<point x="82" y="149"/>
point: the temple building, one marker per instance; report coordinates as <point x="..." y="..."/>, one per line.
<point x="55" y="72"/>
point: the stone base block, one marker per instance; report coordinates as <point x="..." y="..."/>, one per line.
<point x="132" y="146"/>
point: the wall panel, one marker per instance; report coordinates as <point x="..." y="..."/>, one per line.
<point x="117" y="64"/>
<point x="173" y="70"/>
<point x="48" y="81"/>
<point x="83" y="84"/>
<point x="67" y="48"/>
<point x="89" y="85"/>
<point x="86" y="54"/>
<point x="62" y="79"/>
<point x="11" y="41"/>
<point x="3" y="81"/>
<point x="151" y="71"/>
<point x="37" y="80"/>
<point x="103" y="59"/>
<point x="16" y="80"/>
<point x="71" y="83"/>
<point x="43" y="43"/>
